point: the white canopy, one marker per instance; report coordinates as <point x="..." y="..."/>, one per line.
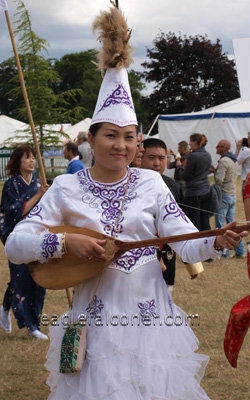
<point x="8" y="127"/>
<point x="80" y="126"/>
<point x="229" y="121"/>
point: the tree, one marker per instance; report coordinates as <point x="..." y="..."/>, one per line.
<point x="136" y="87"/>
<point x="8" y="103"/>
<point x="190" y="74"/>
<point x="47" y="107"/>
<point x="78" y="70"/>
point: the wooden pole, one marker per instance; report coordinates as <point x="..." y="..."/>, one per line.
<point x="30" y="117"/>
<point x="26" y="99"/>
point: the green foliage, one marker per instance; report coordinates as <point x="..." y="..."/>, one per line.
<point x="47" y="107"/>
<point x="78" y="71"/>
<point x="136" y="86"/>
<point x="189" y="73"/>
<point x="8" y="103"/>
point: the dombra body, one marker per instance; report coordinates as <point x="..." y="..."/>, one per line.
<point x="70" y="270"/>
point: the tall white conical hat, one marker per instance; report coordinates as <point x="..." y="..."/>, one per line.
<point x="114" y="104"/>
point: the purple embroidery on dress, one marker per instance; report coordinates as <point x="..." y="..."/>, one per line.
<point x="111" y="201"/>
<point x="147" y="309"/>
<point x="95" y="307"/>
<point x="49" y="245"/>
<point x="118" y="96"/>
<point x="130" y="258"/>
<point x="173" y="209"/>
<point x="35" y="212"/>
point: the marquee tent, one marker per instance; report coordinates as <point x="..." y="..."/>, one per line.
<point x="80" y="126"/>
<point x="230" y="121"/>
<point x="8" y="127"/>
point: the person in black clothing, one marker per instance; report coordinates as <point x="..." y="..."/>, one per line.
<point x="154" y="157"/>
<point x="195" y="174"/>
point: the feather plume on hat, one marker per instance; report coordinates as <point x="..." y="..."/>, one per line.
<point x="114" y="103"/>
<point x="114" y="35"/>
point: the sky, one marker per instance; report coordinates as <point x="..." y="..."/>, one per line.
<point x="67" y="24"/>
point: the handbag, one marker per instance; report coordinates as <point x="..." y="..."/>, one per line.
<point x="73" y="348"/>
<point x="74" y="343"/>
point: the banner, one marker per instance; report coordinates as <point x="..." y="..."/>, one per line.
<point x="3" y="5"/>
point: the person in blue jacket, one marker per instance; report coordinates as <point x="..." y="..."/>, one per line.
<point x="71" y="153"/>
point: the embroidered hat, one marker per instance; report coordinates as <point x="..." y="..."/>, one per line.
<point x="114" y="103"/>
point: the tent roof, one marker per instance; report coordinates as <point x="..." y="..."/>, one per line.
<point x="8" y="127"/>
<point x="232" y="109"/>
<point x="229" y="121"/>
<point x="80" y="126"/>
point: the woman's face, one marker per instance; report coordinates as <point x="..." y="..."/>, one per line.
<point x="138" y="155"/>
<point x="114" y="147"/>
<point x="28" y="163"/>
<point x="193" y="145"/>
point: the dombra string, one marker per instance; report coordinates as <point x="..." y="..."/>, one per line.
<point x="209" y="212"/>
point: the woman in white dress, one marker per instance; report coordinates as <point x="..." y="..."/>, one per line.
<point x="143" y="348"/>
<point x="139" y="345"/>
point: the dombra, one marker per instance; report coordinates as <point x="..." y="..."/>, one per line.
<point x="70" y="270"/>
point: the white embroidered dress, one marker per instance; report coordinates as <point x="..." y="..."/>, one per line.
<point x="139" y="346"/>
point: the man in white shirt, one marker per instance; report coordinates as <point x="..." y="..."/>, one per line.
<point x="85" y="149"/>
<point x="243" y="156"/>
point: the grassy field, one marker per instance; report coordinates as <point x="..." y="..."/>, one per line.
<point x="211" y="295"/>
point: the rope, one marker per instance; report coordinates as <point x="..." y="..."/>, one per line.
<point x="209" y="212"/>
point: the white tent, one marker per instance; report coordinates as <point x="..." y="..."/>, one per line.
<point x="8" y="127"/>
<point x="229" y="121"/>
<point x="80" y="126"/>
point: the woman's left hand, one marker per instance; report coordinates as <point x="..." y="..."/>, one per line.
<point x="229" y="239"/>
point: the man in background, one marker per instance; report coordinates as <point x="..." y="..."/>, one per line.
<point x="154" y="158"/>
<point x="71" y="153"/>
<point x="84" y="148"/>
<point x="225" y="176"/>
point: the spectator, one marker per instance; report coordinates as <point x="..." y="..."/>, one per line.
<point x="225" y="176"/>
<point x="183" y="152"/>
<point x="195" y="174"/>
<point x="21" y="192"/>
<point x="71" y="153"/>
<point x="154" y="158"/>
<point x="136" y="163"/>
<point x="242" y="153"/>
<point x="85" y="149"/>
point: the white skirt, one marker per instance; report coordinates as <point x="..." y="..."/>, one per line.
<point x="139" y="348"/>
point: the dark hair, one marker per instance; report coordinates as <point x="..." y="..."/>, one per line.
<point x="153" y="142"/>
<point x="184" y="144"/>
<point x="245" y="142"/>
<point x="13" y="166"/>
<point x="70" y="146"/>
<point x="200" y="138"/>
<point x="93" y="129"/>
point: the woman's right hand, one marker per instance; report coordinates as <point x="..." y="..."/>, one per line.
<point x="86" y="247"/>
<point x="43" y="189"/>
